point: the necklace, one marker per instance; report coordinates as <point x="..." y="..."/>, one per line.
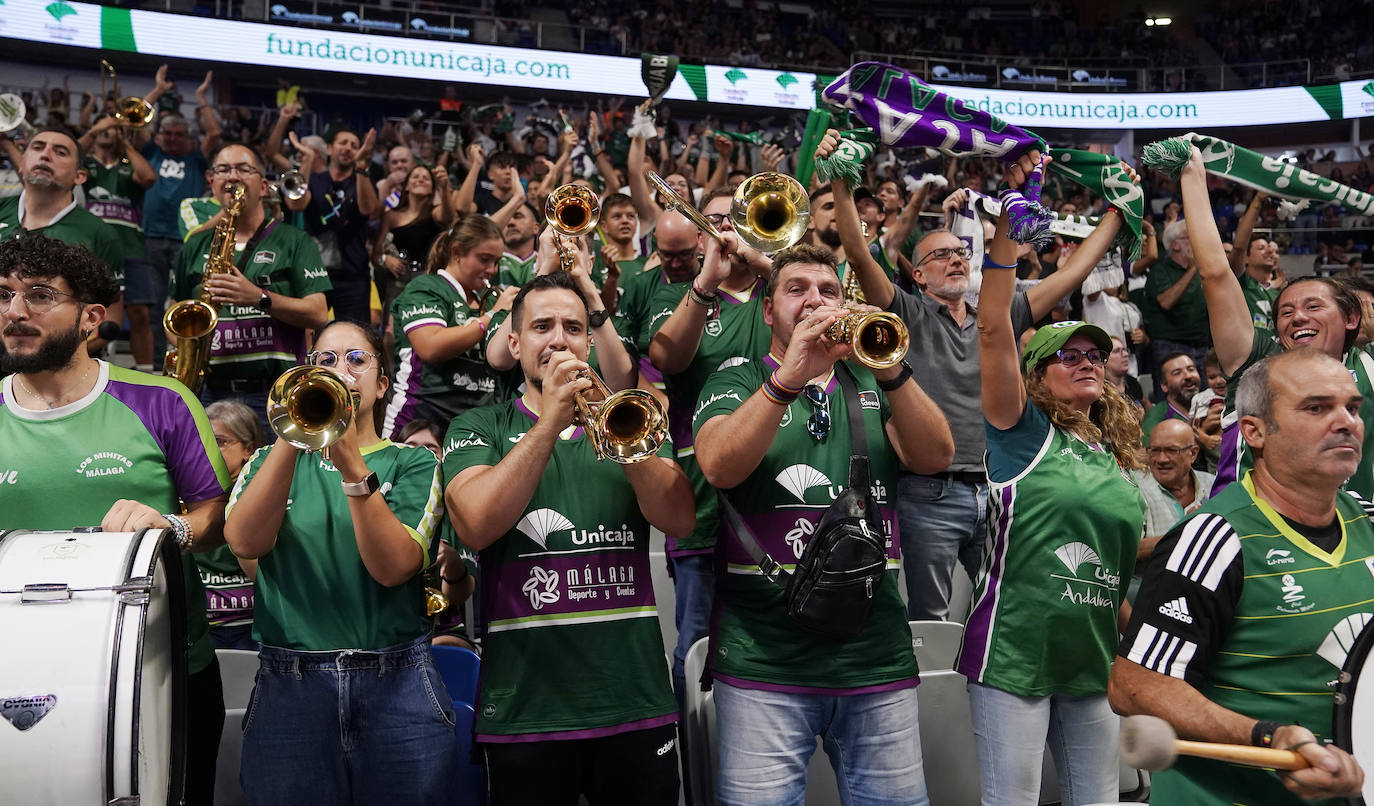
<point x="53" y="404"/>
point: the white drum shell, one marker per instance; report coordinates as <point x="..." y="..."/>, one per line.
<point x="105" y="655"/>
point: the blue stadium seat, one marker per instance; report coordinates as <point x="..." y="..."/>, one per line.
<point x="459" y="667"/>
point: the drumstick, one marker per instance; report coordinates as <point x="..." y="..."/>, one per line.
<point x="1150" y="743"/>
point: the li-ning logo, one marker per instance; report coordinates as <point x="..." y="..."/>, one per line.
<point x="25" y="712"/>
<point x="1279" y="557"/>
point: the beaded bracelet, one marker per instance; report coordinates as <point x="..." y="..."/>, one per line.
<point x="702" y="298"/>
<point x="182" y="532"/>
<point x="778" y="392"/>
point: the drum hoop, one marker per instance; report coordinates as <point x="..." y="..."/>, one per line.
<point x="1343" y="713"/>
<point x="115" y="648"/>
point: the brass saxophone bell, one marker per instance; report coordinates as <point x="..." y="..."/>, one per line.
<point x="435" y="602"/>
<point x="879" y="339"/>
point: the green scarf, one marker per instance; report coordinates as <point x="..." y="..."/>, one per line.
<point x="1104" y="175"/>
<point x="847" y="161"/>
<point x="753" y="138"/>
<point x="1246" y="167"/>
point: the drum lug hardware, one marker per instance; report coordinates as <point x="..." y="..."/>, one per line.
<point x="46" y="593"/>
<point x="134" y="592"/>
<point x="1339" y="698"/>
<point x="127" y="800"/>
<point x="133" y="597"/>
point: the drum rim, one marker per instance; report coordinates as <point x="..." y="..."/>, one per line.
<point x="1343" y="715"/>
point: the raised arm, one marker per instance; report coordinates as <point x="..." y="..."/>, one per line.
<point x="1244" y="229"/>
<point x="725" y="147"/>
<point x="1044" y="295"/>
<point x="209" y="122"/>
<point x="675" y="344"/>
<point x="1233" y="330"/>
<point x="368" y="203"/>
<point x="893" y="239"/>
<point x="467" y="191"/>
<point x="252" y="524"/>
<point x="645" y="206"/>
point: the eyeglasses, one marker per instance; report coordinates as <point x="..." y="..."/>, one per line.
<point x="1070" y="357"/>
<point x="1167" y="450"/>
<point x="947" y="253"/>
<point x="356" y="362"/>
<point x="678" y="257"/>
<point x="241" y="170"/>
<point x="39" y="298"/>
<point x="717" y="219"/>
<point x="818" y="424"/>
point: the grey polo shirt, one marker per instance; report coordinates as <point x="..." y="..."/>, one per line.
<point x="944" y="361"/>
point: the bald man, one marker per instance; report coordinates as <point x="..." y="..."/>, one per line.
<point x="1173" y="488"/>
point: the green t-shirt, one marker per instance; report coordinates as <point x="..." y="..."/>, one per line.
<point x="737" y="334"/>
<point x="572" y="648"/>
<point x="443" y="389"/>
<point x="249" y="343"/>
<point x="195" y="211"/>
<point x="1158" y="413"/>
<point x="511" y="269"/>
<point x="1065" y="520"/>
<point x="135" y="436"/>
<point x="313" y="592"/>
<point x="637" y="289"/>
<point x="1186" y="322"/>
<point x="1260" y="300"/>
<point x="114" y="197"/>
<point x="753" y="642"/>
<point x="74" y="225"/>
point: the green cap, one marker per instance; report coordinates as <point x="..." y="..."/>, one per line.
<point x="1049" y="339"/>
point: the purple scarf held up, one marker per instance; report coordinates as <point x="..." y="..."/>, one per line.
<point x="908" y="113"/>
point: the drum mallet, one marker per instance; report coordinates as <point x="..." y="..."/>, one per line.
<point x="1150" y="743"/>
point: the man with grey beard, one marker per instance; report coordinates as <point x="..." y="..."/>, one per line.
<point x="943" y="516"/>
<point x="50" y="171"/>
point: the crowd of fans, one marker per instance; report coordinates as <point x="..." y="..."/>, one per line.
<point x="430" y="235"/>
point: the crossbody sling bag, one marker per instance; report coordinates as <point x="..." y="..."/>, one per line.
<point x="837" y="578"/>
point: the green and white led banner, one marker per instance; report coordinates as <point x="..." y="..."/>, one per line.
<point x="75" y="24"/>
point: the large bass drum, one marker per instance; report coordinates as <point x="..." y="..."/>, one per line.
<point x="92" y="676"/>
<point x="1353" y="721"/>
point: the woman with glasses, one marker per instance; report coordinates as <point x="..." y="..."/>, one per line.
<point x="441" y="321"/>
<point x="348" y="706"/>
<point x="228" y="583"/>
<point x="1065" y="520"/>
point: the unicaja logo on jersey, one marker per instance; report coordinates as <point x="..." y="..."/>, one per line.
<point x="797" y="479"/>
<point x="1096" y="589"/>
<point x="541" y="523"/>
<point x="541" y="587"/>
<point x="104" y="463"/>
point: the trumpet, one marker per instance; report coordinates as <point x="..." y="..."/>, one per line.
<point x="292" y="185"/>
<point x="131" y="109"/>
<point x="490" y="293"/>
<point x="625" y="427"/>
<point x="310" y="407"/>
<point x="14" y="116"/>
<point x="770" y="211"/>
<point x="879" y="338"/>
<point x="672" y="201"/>
<point x="572" y="211"/>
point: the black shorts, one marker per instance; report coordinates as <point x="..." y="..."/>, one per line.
<point x="638" y="767"/>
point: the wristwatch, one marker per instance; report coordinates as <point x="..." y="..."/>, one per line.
<point x="598" y="318"/>
<point x="362" y="489"/>
<point x="264" y="302"/>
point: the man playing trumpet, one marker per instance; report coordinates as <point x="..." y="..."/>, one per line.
<point x="574" y="684"/>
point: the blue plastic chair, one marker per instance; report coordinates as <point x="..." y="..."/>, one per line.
<point x="459" y="667"/>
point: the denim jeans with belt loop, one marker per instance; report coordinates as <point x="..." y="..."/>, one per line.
<point x="349" y="726"/>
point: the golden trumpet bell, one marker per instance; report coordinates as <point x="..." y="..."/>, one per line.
<point x="572" y="210"/>
<point x="770" y="211"/>
<point x="435" y="602"/>
<point x="135" y="111"/>
<point x="310" y="407"/>
<point x="879" y="339"/>
<point x="626" y="427"/>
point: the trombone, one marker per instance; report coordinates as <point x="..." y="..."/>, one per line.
<point x="14" y="116"/>
<point x="672" y="201"/>
<point x="573" y="211"/>
<point x="310" y="407"/>
<point x="625" y="427"/>
<point x="130" y="109"/>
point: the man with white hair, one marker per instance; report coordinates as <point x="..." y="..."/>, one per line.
<point x="1175" y="309"/>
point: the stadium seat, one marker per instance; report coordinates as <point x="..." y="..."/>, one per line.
<point x="698" y="736"/>
<point x="238" y="668"/>
<point x="459" y="667"/>
<point x="947" y="746"/>
<point x="936" y="644"/>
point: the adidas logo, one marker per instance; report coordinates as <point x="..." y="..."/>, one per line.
<point x="667" y="748"/>
<point x="1177" y="610"/>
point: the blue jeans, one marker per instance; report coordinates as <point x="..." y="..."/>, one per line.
<point x="766" y="739"/>
<point x="943" y="522"/>
<point x="694" y="589"/>
<point x="257" y="401"/>
<point x="1012" y="732"/>
<point x="349" y="727"/>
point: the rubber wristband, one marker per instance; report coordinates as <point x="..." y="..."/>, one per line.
<point x="775" y="395"/>
<point x="893" y="384"/>
<point x="481" y="324"/>
<point x="988" y="263"/>
<point x="702" y="298"/>
<point x="1262" y="734"/>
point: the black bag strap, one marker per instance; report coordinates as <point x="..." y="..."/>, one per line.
<point x="858" y="477"/>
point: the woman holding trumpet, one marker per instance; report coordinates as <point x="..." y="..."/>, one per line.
<point x="348" y="706"/>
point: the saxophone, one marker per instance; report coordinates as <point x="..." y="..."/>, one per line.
<point x="192" y="322"/>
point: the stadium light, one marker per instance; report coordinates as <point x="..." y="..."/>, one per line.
<point x="1152" y="21"/>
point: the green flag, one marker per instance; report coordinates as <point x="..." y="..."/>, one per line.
<point x="1106" y="176"/>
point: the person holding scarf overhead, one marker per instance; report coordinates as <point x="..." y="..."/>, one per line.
<point x="1066" y="519"/>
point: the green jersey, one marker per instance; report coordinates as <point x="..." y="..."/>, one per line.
<point x="753" y="642"/>
<point x="572" y="645"/>
<point x="637" y="290"/>
<point x="1258" y="617"/>
<point x="195" y="211"/>
<point x="734" y="333"/>
<point x="1260" y="300"/>
<point x="1158" y="413"/>
<point x="1186" y="322"/>
<point x="249" y="342"/>
<point x="313" y="593"/>
<point x="114" y="197"/>
<point x="512" y="269"/>
<point x="1065" y="520"/>
<point x="228" y="590"/>
<point x="74" y="225"/>
<point x="134" y="436"/>
<point x="1236" y="461"/>
<point x="436" y="390"/>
